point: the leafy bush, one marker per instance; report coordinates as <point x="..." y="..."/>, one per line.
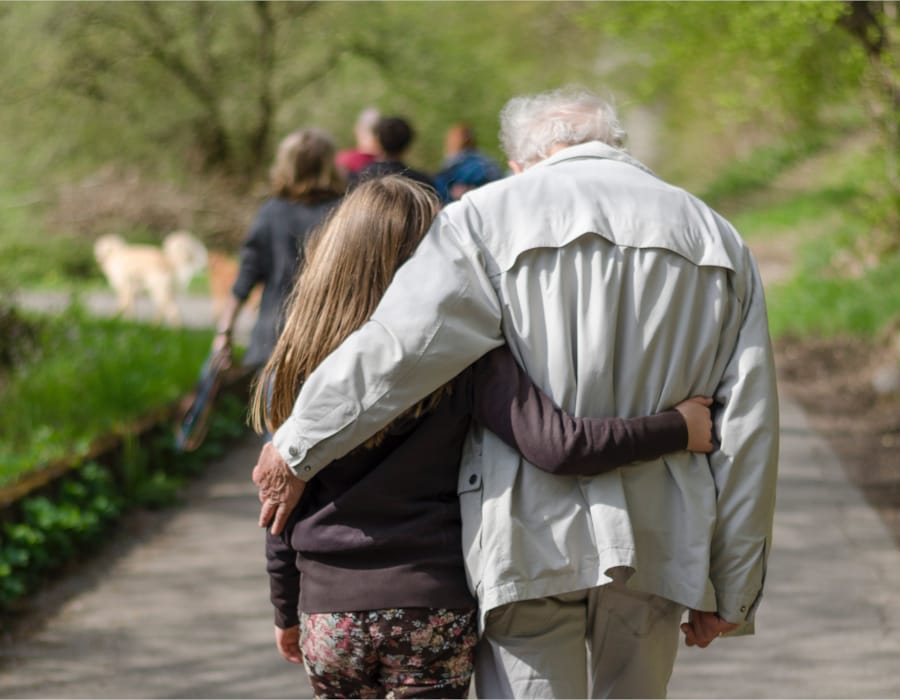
<point x="18" y="337"/>
<point x="836" y="223"/>
<point x="47" y="260"/>
<point x="762" y="166"/>
<point x="818" y="302"/>
<point x="47" y="530"/>
<point x="90" y="378"/>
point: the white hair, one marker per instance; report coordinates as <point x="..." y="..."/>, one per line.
<point x="532" y="125"/>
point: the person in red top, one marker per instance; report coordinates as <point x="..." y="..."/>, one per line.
<point x="370" y="564"/>
<point x="352" y="160"/>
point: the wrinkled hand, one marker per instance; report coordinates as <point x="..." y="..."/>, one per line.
<point x="703" y="627"/>
<point x="288" y="643"/>
<point x="279" y="488"/>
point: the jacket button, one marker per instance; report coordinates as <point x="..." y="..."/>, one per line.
<point x="473" y="479"/>
<point x="293" y="451"/>
<point x="743" y="608"/>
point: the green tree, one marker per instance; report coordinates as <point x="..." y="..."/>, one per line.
<point x="875" y="26"/>
<point x="735" y="74"/>
<point x="202" y="80"/>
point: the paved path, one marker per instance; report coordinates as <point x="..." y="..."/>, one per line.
<point x="179" y="608"/>
<point x="829" y="625"/>
<point x="196" y="310"/>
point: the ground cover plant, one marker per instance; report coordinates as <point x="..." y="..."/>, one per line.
<point x="86" y="433"/>
<point x="47" y="530"/>
<point x="86" y="378"/>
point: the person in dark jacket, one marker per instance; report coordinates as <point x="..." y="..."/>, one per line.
<point x="394" y="135"/>
<point x="370" y="565"/>
<point x="305" y="186"/>
<point x="465" y="167"/>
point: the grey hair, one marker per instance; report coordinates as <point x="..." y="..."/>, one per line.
<point x="532" y="125"/>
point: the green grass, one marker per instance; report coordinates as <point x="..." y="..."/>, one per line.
<point x="834" y="215"/>
<point x="801" y="210"/>
<point x="31" y="256"/>
<point x="756" y="172"/>
<point x="90" y="377"/>
<point x="811" y="305"/>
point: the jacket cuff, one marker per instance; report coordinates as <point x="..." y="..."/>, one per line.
<point x="739" y="609"/>
<point x="286" y="619"/>
<point x="293" y="452"/>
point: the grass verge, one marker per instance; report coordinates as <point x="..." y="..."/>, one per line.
<point x="86" y="378"/>
<point x="834" y="225"/>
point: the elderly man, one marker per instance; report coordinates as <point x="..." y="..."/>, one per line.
<point x="619" y="294"/>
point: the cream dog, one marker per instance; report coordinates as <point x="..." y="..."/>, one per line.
<point x="160" y="272"/>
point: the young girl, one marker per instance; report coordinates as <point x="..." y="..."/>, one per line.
<point x="371" y="556"/>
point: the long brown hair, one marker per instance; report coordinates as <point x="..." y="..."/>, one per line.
<point x="350" y="262"/>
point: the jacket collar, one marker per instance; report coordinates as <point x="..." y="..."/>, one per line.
<point x="593" y="149"/>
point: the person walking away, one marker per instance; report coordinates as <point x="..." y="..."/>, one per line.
<point x="394" y="135"/>
<point x="372" y="554"/>
<point x="464" y="167"/>
<point x="305" y="186"/>
<point x="352" y="160"/>
<point x="619" y="294"/>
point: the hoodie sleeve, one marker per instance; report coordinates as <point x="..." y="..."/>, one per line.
<point x="507" y="402"/>
<point x="284" y="577"/>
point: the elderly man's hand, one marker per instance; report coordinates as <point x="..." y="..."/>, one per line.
<point x="279" y="488"/>
<point x="703" y="627"/>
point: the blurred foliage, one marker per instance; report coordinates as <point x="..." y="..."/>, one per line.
<point x="736" y="75"/>
<point x="194" y="85"/>
<point x="761" y="167"/>
<point x="18" y="338"/>
<point x="88" y="378"/>
<point x="139" y="117"/>
<point x="838" y="282"/>
<point x="214" y="85"/>
<point x="816" y="302"/>
<point x="45" y="531"/>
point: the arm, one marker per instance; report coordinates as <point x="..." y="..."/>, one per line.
<point x="438" y="316"/>
<point x="225" y="323"/>
<point x="254" y="256"/>
<point x="284" y="592"/>
<point x="284" y="579"/>
<point x="250" y="273"/>
<point x="745" y="465"/>
<point x="506" y="401"/>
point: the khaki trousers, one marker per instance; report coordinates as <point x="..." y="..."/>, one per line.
<point x="605" y="642"/>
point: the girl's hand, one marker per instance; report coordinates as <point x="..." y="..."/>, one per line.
<point x="288" y="643"/>
<point x="695" y="412"/>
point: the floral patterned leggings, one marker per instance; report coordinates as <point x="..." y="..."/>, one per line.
<point x="397" y="653"/>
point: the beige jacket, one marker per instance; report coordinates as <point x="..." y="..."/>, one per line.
<point x="620" y="295"/>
